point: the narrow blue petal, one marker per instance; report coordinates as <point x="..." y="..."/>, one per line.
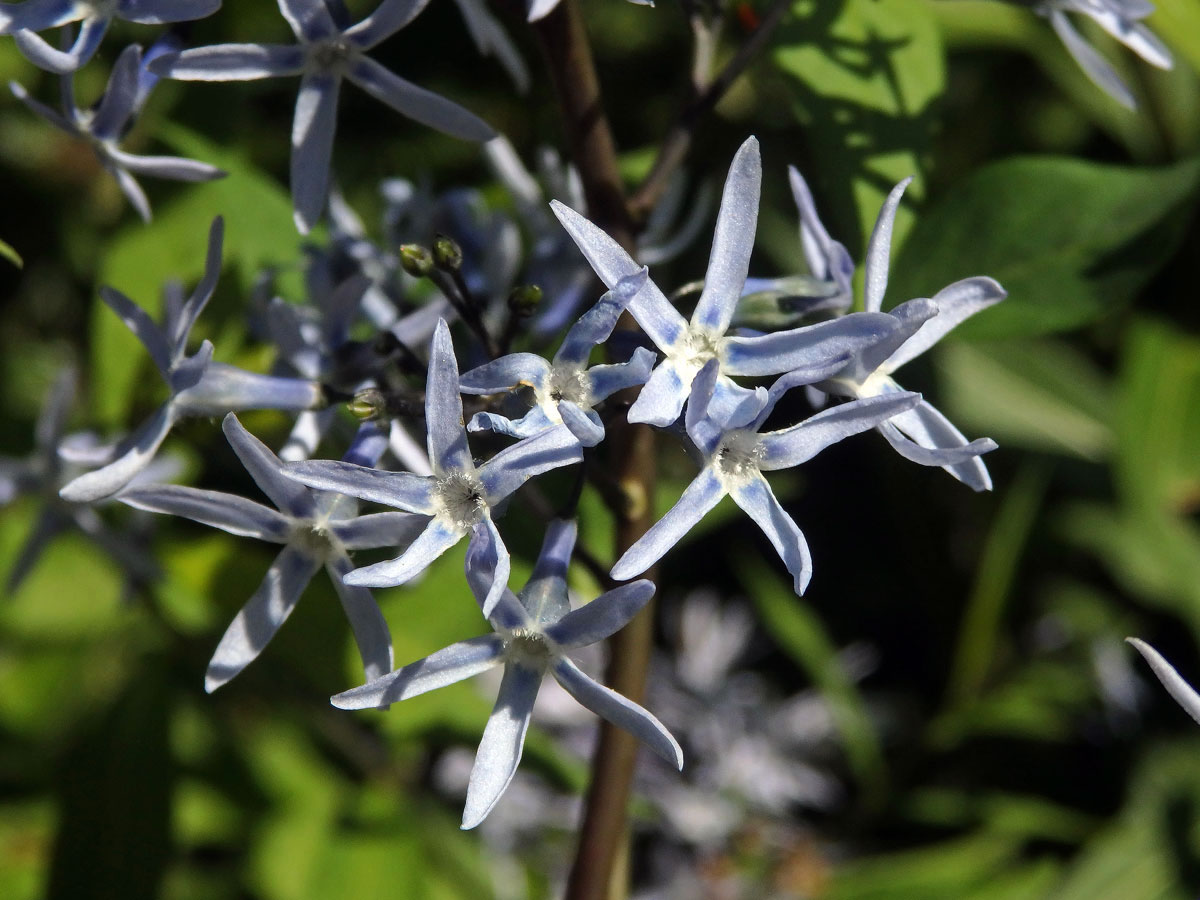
<point x="231" y="62"/>
<point x="1182" y="692"/>
<point x="38" y="15"/>
<point x="597" y="324"/>
<point x="404" y="490"/>
<point x="389" y="17"/>
<point x="181" y="327"/>
<point x="266" y="469"/>
<point x="436" y="539"/>
<point x="313" y="128"/>
<point x="955" y="303"/>
<point x="1095" y="66"/>
<point x="42" y="55"/>
<point x="226" y="389"/>
<point x="940" y="456"/>
<point x="53" y="116"/>
<point x="309" y="20"/>
<point x="606" y="380"/>
<point x="117" y="105"/>
<point x="653" y="311"/>
<point x="254" y="626"/>
<point x="911" y="318"/>
<point x="698" y="498"/>
<point x="229" y="512"/>
<point x="163" y="12"/>
<point x="449" y="665"/>
<point x="812" y="345"/>
<point x="704" y="430"/>
<point x="505" y="374"/>
<point x="801" y="442"/>
<point x="661" y="399"/>
<point x="503" y="740"/>
<point x="143" y="327"/>
<point x="417" y="103"/>
<point x="513" y="466"/>
<point x="759" y="503"/>
<point x="544" y="596"/>
<point x="879" y="249"/>
<point x="50" y="522"/>
<point x="387" y="529"/>
<point x="370" y="628"/>
<point x="733" y="241"/>
<point x="136" y="453"/>
<point x="606" y="615"/>
<point x="586" y="426"/>
<point x="533" y="422"/>
<point x="827" y="259"/>
<point x="487" y="566"/>
<point x="929" y="428"/>
<point x="797" y="378"/>
<point x="175" y="168"/>
<point x="621" y="711"/>
<point x="448" y="450"/>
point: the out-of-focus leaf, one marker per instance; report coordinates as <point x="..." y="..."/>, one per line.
<point x="790" y="621"/>
<point x="1158" y="429"/>
<point x="7" y="251"/>
<point x="115" y="799"/>
<point x="977" y="638"/>
<point x="1038" y="394"/>
<point x="1150" y="853"/>
<point x="1069" y="240"/>
<point x="1023" y="817"/>
<point x="863" y="76"/>
<point x="1178" y="23"/>
<point x="948" y="871"/>
<point x="140" y="260"/>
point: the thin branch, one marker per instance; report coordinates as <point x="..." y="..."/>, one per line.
<point x="675" y="148"/>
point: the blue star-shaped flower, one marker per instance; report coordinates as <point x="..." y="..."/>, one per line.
<point x="565" y="390"/>
<point x="325" y="54"/>
<point x="689" y="345"/>
<point x="103" y="127"/>
<point x="199" y="386"/>
<point x="735" y="457"/>
<point x="316" y="529"/>
<point x="459" y="496"/>
<point x="533" y="633"/>
<point x="21" y="20"/>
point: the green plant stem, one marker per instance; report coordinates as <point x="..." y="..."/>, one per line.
<point x="603" y="833"/>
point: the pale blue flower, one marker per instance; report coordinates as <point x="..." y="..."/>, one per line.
<point x="316" y="529"/>
<point x="922" y="434"/>
<point x="689" y="345"/>
<point x="325" y="54"/>
<point x="735" y="457"/>
<point x="199" y="386"/>
<point x="1121" y="19"/>
<point x="565" y="390"/>
<point x="534" y="631"/>
<point x="44" y="471"/>
<point x="1182" y="692"/>
<point x="21" y="20"/>
<point x="459" y="496"/>
<point x="107" y="123"/>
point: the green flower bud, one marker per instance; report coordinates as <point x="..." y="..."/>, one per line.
<point x="447" y="255"/>
<point x="416" y="260"/>
<point x="368" y="404"/>
<point x="524" y="300"/>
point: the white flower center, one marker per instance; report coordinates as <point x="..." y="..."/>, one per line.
<point x="877" y="384"/>
<point x="530" y="648"/>
<point x="569" y="383"/>
<point x="738" y="456"/>
<point x="330" y="55"/>
<point x="698" y="348"/>
<point x="460" y="498"/>
<point x="315" y="538"/>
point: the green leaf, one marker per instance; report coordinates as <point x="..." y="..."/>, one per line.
<point x="800" y="634"/>
<point x="1043" y="395"/>
<point x="141" y="259"/>
<point x="1069" y="240"/>
<point x="11" y="255"/>
<point x="947" y="871"/>
<point x="863" y="83"/>
<point x="113" y="839"/>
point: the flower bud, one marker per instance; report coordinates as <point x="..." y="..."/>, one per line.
<point x="416" y="260"/>
<point x="447" y="255"/>
<point x="524" y="300"/>
<point x="368" y="404"/>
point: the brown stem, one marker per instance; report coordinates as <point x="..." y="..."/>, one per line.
<point x="675" y="148"/>
<point x="602" y="835"/>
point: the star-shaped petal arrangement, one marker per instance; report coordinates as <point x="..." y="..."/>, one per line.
<point x="689" y="345"/>
<point x="735" y="457"/>
<point x="316" y="528"/>
<point x="21" y="20"/>
<point x="1121" y="19"/>
<point x="128" y="86"/>
<point x="922" y="434"/>
<point x="534" y="631"/>
<point x="325" y="54"/>
<point x="565" y="390"/>
<point x="199" y="386"/>
<point x="459" y="496"/>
